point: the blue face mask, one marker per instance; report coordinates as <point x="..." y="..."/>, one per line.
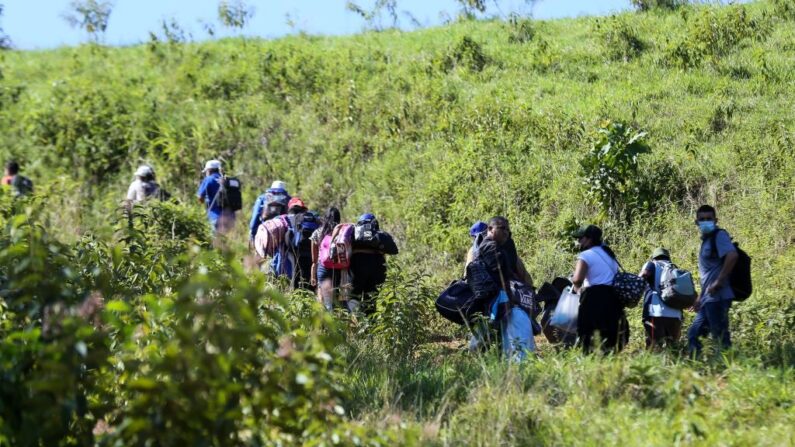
<point x="706" y="227"/>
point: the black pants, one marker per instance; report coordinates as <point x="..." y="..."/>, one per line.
<point x="368" y="271"/>
<point x="662" y="331"/>
<point x="602" y="313"/>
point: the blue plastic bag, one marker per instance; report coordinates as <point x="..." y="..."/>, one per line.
<point x="517" y="335"/>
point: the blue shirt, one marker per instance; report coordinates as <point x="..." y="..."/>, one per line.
<point x="710" y="265"/>
<point x="208" y="190"/>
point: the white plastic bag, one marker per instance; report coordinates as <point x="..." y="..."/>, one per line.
<point x="565" y="316"/>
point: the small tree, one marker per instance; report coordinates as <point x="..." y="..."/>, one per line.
<point x="235" y="13"/>
<point x="90" y="15"/>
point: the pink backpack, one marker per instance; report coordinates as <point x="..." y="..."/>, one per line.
<point x="336" y="248"/>
<point x="270" y="235"/>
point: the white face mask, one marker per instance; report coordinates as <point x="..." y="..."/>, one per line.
<point x="706" y="226"/>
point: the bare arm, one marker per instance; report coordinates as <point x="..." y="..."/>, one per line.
<point x="580" y="273"/>
<point x="315" y="255"/>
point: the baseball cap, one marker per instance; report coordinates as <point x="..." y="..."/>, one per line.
<point x="295" y="201"/>
<point x="143" y="171"/>
<point x="211" y="164"/>
<point x="660" y="252"/>
<point x="590" y="231"/>
<point x="478" y="228"/>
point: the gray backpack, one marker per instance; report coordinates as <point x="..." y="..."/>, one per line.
<point x="677" y="289"/>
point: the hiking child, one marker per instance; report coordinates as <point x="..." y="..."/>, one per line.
<point x="20" y="185"/>
<point x="663" y="323"/>
<point x="368" y="261"/>
<point x="222" y="220"/>
<point x="272" y="203"/>
<point x="143" y="186"/>
<point x="325" y="279"/>
<point x="497" y="252"/>
<point x="600" y="308"/>
<point x="717" y="258"/>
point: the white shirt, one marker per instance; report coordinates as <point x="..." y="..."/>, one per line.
<point x="601" y="267"/>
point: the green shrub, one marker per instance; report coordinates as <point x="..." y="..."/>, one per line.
<point x="713" y="32"/>
<point x="610" y="168"/>
<point x="784" y="9"/>
<point x="650" y="5"/>
<point x="620" y="38"/>
<point x="521" y="30"/>
<point x="467" y="53"/>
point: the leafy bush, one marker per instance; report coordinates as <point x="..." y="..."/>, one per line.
<point x="467" y="53"/>
<point x="713" y="33"/>
<point x="784" y="9"/>
<point x="650" y="5"/>
<point x="403" y="313"/>
<point x="620" y="38"/>
<point x="521" y="30"/>
<point x="610" y="168"/>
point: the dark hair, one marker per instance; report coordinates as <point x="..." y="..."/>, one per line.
<point x="331" y="220"/>
<point x="12" y="167"/>
<point x="607" y="250"/>
<point x="706" y="209"/>
<point x="499" y="220"/>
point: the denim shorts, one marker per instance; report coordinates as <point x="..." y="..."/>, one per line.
<point x="324" y="273"/>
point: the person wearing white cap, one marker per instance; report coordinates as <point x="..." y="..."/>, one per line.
<point x="208" y="194"/>
<point x="270" y="204"/>
<point x="144" y="185"/>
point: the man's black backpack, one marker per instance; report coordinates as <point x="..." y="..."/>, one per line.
<point x="740" y="277"/>
<point x="231" y="196"/>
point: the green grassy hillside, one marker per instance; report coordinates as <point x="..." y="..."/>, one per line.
<point x="432" y="130"/>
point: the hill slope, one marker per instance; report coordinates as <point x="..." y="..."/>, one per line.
<point x="434" y="129"/>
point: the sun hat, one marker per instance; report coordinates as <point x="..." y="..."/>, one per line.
<point x="211" y="164"/>
<point x="143" y="171"/>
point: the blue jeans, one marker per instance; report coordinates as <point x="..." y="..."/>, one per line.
<point x="711" y="318"/>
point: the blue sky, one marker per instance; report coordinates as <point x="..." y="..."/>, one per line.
<point x="37" y="24"/>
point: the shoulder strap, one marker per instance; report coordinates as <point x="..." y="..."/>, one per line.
<point x="620" y="268"/>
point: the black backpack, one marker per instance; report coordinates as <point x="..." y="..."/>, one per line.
<point x="231" y="196"/>
<point x="22" y="185"/>
<point x="740" y="277"/>
<point x="365" y="234"/>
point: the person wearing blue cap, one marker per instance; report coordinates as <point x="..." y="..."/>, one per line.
<point x="477" y="232"/>
<point x="368" y="262"/>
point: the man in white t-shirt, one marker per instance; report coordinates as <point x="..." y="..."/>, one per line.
<point x="663" y="324"/>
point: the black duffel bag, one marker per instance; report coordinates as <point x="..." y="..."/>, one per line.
<point x="458" y="303"/>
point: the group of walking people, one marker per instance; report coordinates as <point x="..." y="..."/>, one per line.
<point x="343" y="263"/>
<point x="493" y="267"/>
